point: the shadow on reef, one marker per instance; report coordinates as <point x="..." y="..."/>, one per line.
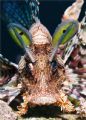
<point x="43" y="111"/>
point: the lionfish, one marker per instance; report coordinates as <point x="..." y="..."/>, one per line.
<point x="53" y="67"/>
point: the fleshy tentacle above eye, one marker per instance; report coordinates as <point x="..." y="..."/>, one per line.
<point x="20" y="39"/>
<point x="64" y="32"/>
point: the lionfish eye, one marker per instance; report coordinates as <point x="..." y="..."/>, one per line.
<point x="64" y="31"/>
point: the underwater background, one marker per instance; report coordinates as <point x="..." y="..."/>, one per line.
<point x="50" y="14"/>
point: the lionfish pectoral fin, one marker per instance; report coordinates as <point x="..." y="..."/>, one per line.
<point x="8" y="80"/>
<point x="64" y="103"/>
<point x="23" y="108"/>
<point x="7" y="70"/>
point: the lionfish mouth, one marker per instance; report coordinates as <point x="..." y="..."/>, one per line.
<point x="43" y="100"/>
<point x="40" y="100"/>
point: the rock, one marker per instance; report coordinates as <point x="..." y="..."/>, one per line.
<point x="6" y="113"/>
<point x="69" y="116"/>
<point x="41" y="118"/>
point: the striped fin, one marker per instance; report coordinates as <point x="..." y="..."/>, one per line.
<point x="63" y="33"/>
<point x="7" y="70"/>
<point x="20" y="12"/>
